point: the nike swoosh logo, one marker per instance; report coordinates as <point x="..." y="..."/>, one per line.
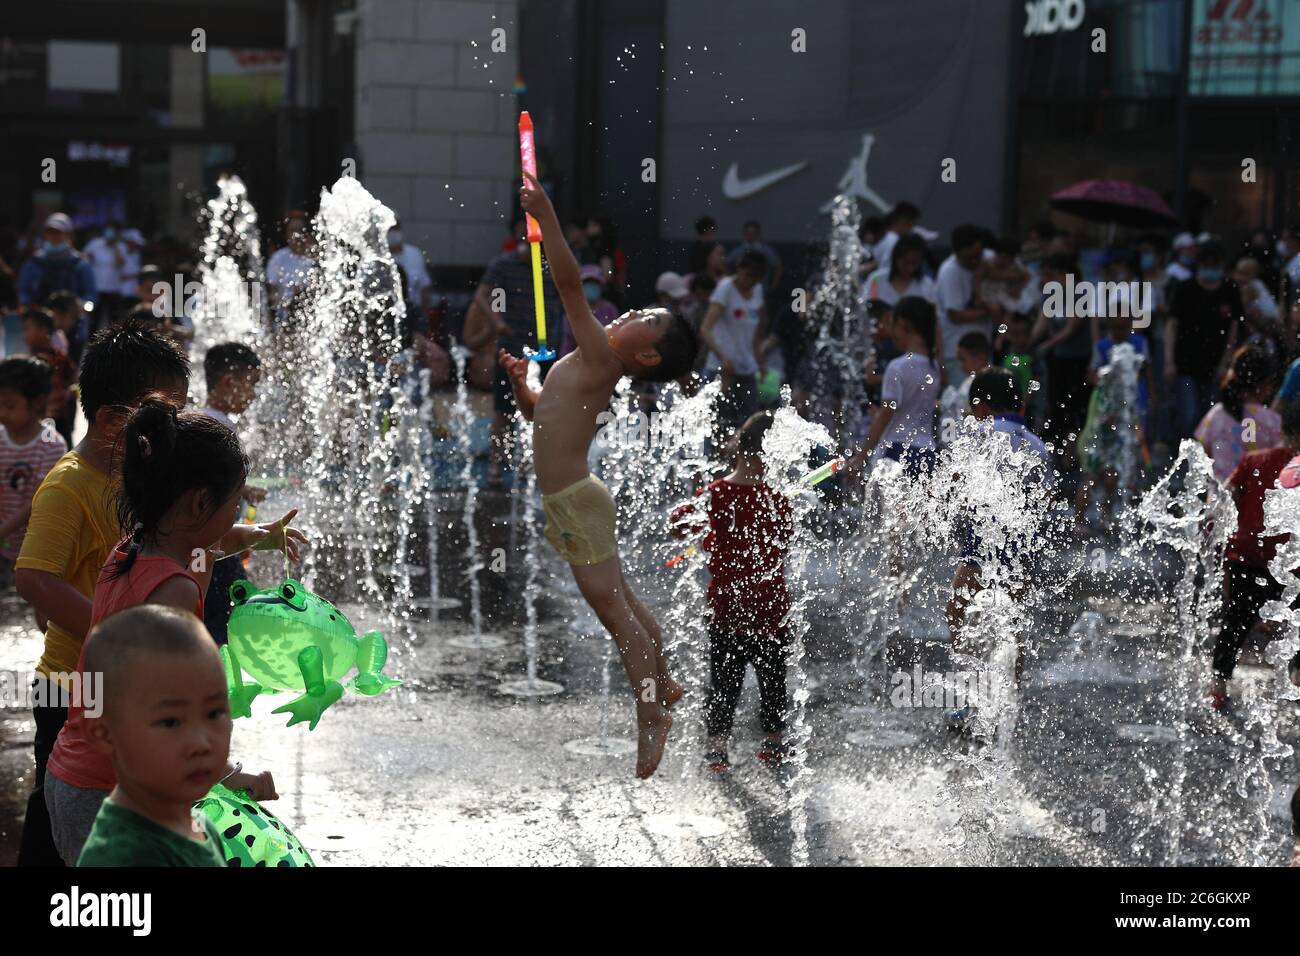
<point x="733" y="187"/>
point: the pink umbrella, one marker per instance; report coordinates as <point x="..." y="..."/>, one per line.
<point x="1113" y="201"/>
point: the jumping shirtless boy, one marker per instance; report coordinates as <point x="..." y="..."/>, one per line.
<point x="651" y="345"/>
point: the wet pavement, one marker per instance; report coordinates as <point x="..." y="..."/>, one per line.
<point x="446" y="770"/>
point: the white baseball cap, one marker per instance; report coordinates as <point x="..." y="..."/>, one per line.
<point x="59" y="221"/>
<point x="1184" y="240"/>
<point x="672" y="285"/>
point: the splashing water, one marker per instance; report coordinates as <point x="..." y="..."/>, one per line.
<point x="339" y="419"/>
<point x="843" y="346"/>
<point x="787" y="447"/>
<point x="231" y="306"/>
<point x="1189" y="512"/>
<point x="1118" y="411"/>
<point x="463" y="416"/>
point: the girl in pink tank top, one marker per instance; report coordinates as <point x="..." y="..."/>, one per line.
<point x="182" y="473"/>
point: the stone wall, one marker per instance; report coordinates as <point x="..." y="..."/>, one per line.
<point x="436" y="120"/>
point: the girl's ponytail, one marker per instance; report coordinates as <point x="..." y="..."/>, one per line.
<point x="165" y="452"/>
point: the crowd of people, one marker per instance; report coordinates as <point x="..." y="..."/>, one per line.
<point x="979" y="331"/>
<point x="98" y="535"/>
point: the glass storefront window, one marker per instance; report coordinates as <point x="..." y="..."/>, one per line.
<point x="1245" y="48"/>
<point x="245" y="83"/>
<point x="1143" y="40"/>
<point x="107" y="81"/>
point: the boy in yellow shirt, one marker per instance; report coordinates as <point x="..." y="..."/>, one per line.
<point x="72" y="529"/>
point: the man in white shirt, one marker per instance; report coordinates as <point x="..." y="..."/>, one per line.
<point x="734" y="329"/>
<point x="419" y="287"/>
<point x="954" y="286"/>
<point x="133" y="241"/>
<point x="289" y="266"/>
<point x="107" y="254"/>
<point x="901" y="220"/>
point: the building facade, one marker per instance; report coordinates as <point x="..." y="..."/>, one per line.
<point x="1196" y="99"/>
<point x="129" y="110"/>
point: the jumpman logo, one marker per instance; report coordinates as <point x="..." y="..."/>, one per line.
<point x="854" y="180"/>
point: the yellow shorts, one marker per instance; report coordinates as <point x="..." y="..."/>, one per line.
<point x="580" y="522"/>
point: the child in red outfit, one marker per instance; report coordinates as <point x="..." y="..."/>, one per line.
<point x="1247" y="583"/>
<point x="747" y="526"/>
<point x="38" y="335"/>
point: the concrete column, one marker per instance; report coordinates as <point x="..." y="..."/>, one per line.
<point x="436" y="120"/>
<point x="188" y="96"/>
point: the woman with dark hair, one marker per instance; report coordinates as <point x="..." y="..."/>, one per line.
<point x="1240" y="422"/>
<point x="905" y="274"/>
<point x="903" y="427"/>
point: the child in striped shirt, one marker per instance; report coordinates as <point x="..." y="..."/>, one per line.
<point x="29" y="448"/>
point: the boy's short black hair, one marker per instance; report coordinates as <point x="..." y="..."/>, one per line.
<point x="704" y="224"/>
<point x="677" y="349"/>
<point x="749" y="440"/>
<point x="32" y="379"/>
<point x="125" y="362"/>
<point x="38" y="316"/>
<point x="976" y="342"/>
<point x="1211" y="252"/>
<point x="965" y="236"/>
<point x="703" y="282"/>
<point x="228" y="357"/>
<point x="904" y="212"/>
<point x="998" y="389"/>
<point x="753" y="262"/>
<point x="61" y="300"/>
<point x="148" y="630"/>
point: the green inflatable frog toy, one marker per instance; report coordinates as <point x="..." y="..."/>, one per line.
<point x="251" y="835"/>
<point x="287" y="638"/>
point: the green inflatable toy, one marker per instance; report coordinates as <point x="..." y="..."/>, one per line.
<point x="250" y="834"/>
<point x="287" y="638"/>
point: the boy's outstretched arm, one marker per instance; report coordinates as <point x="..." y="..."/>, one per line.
<point x="587" y="332"/>
<point x="517" y="369"/>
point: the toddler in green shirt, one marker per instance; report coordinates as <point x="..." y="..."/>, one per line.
<point x="166" y="727"/>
